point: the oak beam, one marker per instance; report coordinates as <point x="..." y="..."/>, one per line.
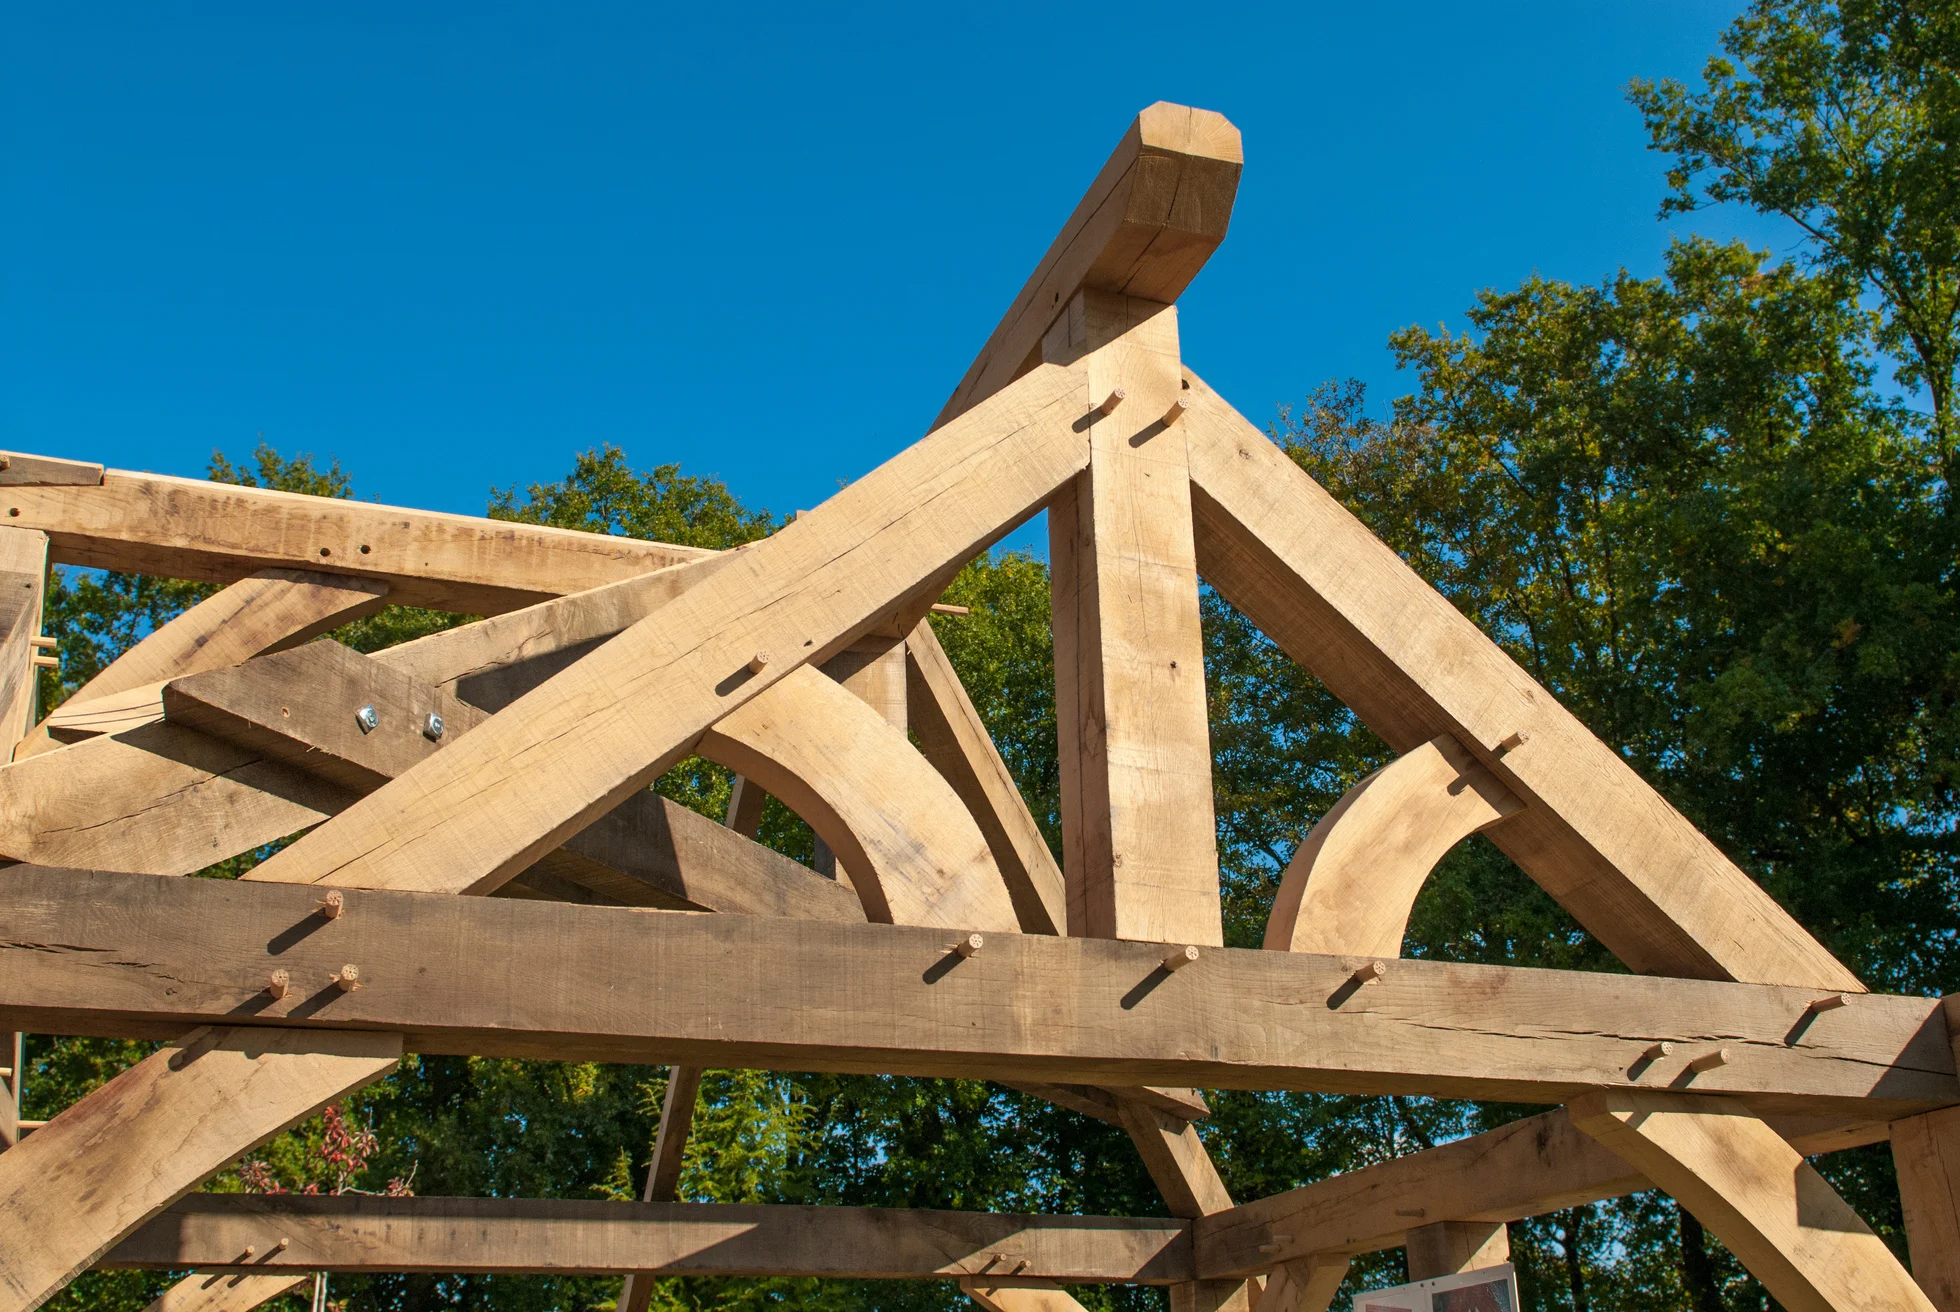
<point x="1152" y="217"/>
<point x="224" y="1291"/>
<point x="1596" y="836"/>
<point x="299" y="708"/>
<point x="1353" y="881"/>
<point x="664" y="1171"/>
<point x="73" y="1188"/>
<point x="1926" y="1151"/>
<point x="23" y="585"/>
<point x="1139" y="839"/>
<point x="733" y="991"/>
<point x="352" y="1232"/>
<point x="1447" y="1248"/>
<point x="1756" y="1193"/>
<point x="954" y="738"/>
<point x="189" y="528"/>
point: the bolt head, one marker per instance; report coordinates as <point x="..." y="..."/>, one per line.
<point x="368" y="719"/>
<point x="432" y="727"/>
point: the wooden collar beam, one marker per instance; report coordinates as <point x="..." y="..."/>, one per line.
<point x="108" y="954"/>
<point x="576" y="1237"/>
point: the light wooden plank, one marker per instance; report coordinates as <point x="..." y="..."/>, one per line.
<point x="1189" y="1182"/>
<point x="914" y="852"/>
<point x="664" y="1171"/>
<point x="470" y="817"/>
<point x="23" y="584"/>
<point x="575" y="1237"/>
<point x="1527" y="1168"/>
<point x="1926" y="1151"/>
<point x="1757" y="1195"/>
<point x="299" y="707"/>
<point x="1013" y="1298"/>
<point x="1447" y="1248"/>
<point x="225" y="1291"/>
<point x="1303" y="1286"/>
<point x="1147" y="224"/>
<point x="1352" y="883"/>
<point x="268" y="611"/>
<point x="873" y="669"/>
<point x="218" y="533"/>
<point x="1627" y="865"/>
<point x="1139" y="838"/>
<point x="18" y="469"/>
<point x="953" y="737"/>
<point x="77" y="1186"/>
<point x="715" y="990"/>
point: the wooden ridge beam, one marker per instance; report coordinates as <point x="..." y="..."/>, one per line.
<point x="1530" y="1167"/>
<point x="1147" y="224"/>
<point x="1596" y="836"/>
<point x="189" y="528"/>
<point x="352" y="1232"/>
<point x="147" y="957"/>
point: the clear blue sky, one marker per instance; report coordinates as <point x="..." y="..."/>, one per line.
<point x="452" y="245"/>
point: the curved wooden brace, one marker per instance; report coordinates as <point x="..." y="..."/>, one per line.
<point x="269" y="611"/>
<point x="99" y="1169"/>
<point x="910" y="846"/>
<point x="1771" y="1208"/>
<point x="1350" y="886"/>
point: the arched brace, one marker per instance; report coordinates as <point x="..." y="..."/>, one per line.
<point x="1349" y="888"/>
<point x="910" y="846"/>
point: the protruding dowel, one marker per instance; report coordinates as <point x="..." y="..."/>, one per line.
<point x="1179" y="958"/>
<point x="1514" y="741"/>
<point x="1369" y="973"/>
<point x="1178" y="407"/>
<point x="1708" y="1061"/>
<point x="45" y="643"/>
<point x="969" y="945"/>
<point x="758" y="661"/>
<point x="348" y="979"/>
<point x="333" y="904"/>
<point x="1111" y="401"/>
<point x="1658" y="1051"/>
<point x="278" y="983"/>
<point x="46" y="662"/>
<point x="1831" y="1002"/>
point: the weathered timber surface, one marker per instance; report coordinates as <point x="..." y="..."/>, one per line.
<point x="190" y="528"/>
<point x="94" y="953"/>
<point x="568" y="1237"/>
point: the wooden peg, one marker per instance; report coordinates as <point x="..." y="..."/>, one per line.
<point x="1179" y="958"/>
<point x="969" y="945"/>
<point x="1708" y="1061"/>
<point x="1830" y="1002"/>
<point x="1658" y="1051"/>
<point x="1274" y="1244"/>
<point x="1514" y="741"/>
<point x="1111" y="401"/>
<point x="251" y="1250"/>
<point x="947" y="608"/>
<point x="1369" y="973"/>
<point x="45" y="643"/>
<point x="333" y="904"/>
<point x="1176" y="412"/>
<point x="758" y="661"/>
<point x="284" y="1243"/>
<point x="348" y="979"/>
<point x="41" y="662"/>
<point x="278" y="983"/>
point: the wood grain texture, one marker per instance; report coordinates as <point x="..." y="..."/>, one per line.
<point x="23" y="581"/>
<point x="1303" y="1286"/>
<point x="77" y="1186"/>
<point x="225" y="1291"/>
<point x="953" y="737"/>
<point x="664" y="1171"/>
<point x="189" y="528"/>
<point x="1447" y="1248"/>
<point x="1177" y="1161"/>
<point x="1926" y="1151"/>
<point x="18" y="469"/>
<point x="538" y="771"/>
<point x="143" y="955"/>
<point x="1757" y="1195"/>
<point x="566" y="1237"/>
<point x="264" y="612"/>
<point x="1627" y="865"/>
<point x="1017" y="1298"/>
<point x="1527" y="1168"/>
<point x="909" y="845"/>
<point x="1152" y="217"/>
<point x="1352" y="883"/>
<point x="298" y="707"/>
<point x="1139" y="840"/>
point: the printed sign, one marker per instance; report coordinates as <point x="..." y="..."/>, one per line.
<point x="1492" y="1289"/>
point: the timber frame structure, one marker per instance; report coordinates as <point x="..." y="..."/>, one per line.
<point x="511" y="758"/>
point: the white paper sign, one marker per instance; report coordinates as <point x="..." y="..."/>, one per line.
<point x="1491" y="1289"/>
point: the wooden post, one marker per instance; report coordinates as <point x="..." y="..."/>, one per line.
<point x="1926" y="1150"/>
<point x="664" y="1171"/>
<point x="1446" y="1248"/>
<point x="1139" y="845"/>
<point x="23" y="587"/>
